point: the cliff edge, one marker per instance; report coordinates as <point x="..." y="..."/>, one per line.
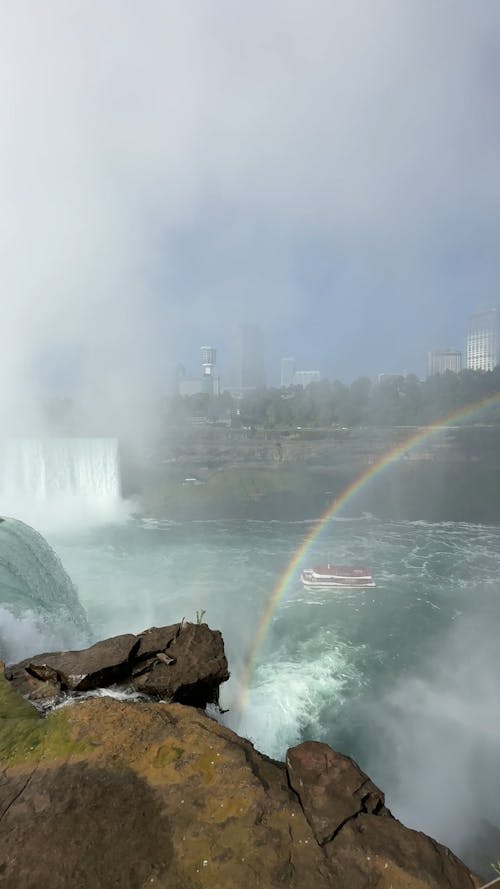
<point x="107" y="793"/>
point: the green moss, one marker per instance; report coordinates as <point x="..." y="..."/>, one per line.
<point x="168" y="754"/>
<point x="59" y="742"/>
<point x="21" y="729"/>
<point x="26" y="736"/>
<point x="13" y="705"/>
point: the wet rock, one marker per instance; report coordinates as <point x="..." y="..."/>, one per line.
<point x="105" y="663"/>
<point x="184" y="662"/>
<point x="195" y="671"/>
<point x="106" y="793"/>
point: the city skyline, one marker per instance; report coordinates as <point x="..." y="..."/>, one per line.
<point x="288" y="370"/>
<point x="332" y="180"/>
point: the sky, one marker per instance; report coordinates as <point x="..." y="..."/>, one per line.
<point x="330" y="171"/>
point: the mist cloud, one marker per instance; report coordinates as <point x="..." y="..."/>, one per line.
<point x="171" y="168"/>
<point x="438" y="739"/>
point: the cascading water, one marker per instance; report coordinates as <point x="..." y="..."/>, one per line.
<point x="39" y="605"/>
<point x="56" y="482"/>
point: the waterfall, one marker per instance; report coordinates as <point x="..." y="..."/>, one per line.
<point x="56" y="482"/>
<point x="39" y="606"/>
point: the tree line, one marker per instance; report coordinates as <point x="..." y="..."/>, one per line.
<point x="393" y="401"/>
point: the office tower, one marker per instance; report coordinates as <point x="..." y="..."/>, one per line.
<point x="483" y="340"/>
<point x="208" y="359"/>
<point x="287" y="372"/>
<point x="210" y="379"/>
<point x="304" y="377"/>
<point x="208" y="382"/>
<point x="247" y="358"/>
<point x="441" y="360"/>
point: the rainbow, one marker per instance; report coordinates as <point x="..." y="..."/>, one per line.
<point x="338" y="503"/>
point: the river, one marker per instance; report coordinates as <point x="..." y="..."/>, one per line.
<point x="402" y="677"/>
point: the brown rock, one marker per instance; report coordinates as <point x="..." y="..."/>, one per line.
<point x="165" y="658"/>
<point x="156" y="639"/>
<point x="43" y="672"/>
<point x="135" y="795"/>
<point x="184" y="662"/>
<point x="381" y="852"/>
<point x="366" y="846"/>
<point x="198" y="669"/>
<point x="332" y="788"/>
<point x="81" y="825"/>
<point x="105" y="793"/>
<point x="102" y="664"/>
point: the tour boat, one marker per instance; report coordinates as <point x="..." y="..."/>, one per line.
<point x="333" y="576"/>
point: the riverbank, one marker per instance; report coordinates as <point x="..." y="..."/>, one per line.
<point x="213" y="473"/>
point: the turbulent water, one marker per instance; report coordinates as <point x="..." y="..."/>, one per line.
<point x="403" y="677"/>
<point x="39" y="605"/>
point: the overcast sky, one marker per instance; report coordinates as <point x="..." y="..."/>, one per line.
<point x="328" y="169"/>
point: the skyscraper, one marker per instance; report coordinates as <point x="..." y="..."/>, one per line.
<point x="441" y="360"/>
<point x="483" y="340"/>
<point x="247" y="358"/>
<point x="208" y="382"/>
<point x="305" y="377"/>
<point x="210" y="379"/>
<point x="287" y="372"/>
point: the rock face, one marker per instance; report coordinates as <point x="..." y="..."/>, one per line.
<point x="331" y="788"/>
<point x="184" y="662"/>
<point x="105" y="793"/>
<point x="365" y="843"/>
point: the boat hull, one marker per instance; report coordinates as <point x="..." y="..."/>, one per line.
<point x="336" y="578"/>
<point x="337" y="585"/>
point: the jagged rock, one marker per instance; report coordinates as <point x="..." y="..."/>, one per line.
<point x="184" y="662"/>
<point x="198" y="668"/>
<point x="106" y="793"/>
<point x="366" y="846"/>
<point x="43" y="672"/>
<point x="156" y="639"/>
<point x="332" y="788"/>
<point x="103" y="664"/>
<point x="165" y="658"/>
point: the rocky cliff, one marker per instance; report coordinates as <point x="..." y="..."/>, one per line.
<point x="109" y="793"/>
<point x="449" y="476"/>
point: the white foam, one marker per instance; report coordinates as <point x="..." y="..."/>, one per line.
<point x="62" y="483"/>
<point x="22" y="636"/>
<point x="286" y="699"/>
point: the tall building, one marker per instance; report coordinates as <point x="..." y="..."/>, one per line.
<point x="208" y="382"/>
<point x="292" y="377"/>
<point x="483" y="340"/>
<point x="287" y="372"/>
<point x="304" y="377"/>
<point x="208" y="359"/>
<point x="210" y="379"/>
<point x="441" y="360"/>
<point x="247" y="358"/>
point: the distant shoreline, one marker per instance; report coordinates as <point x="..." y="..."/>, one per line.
<point x="451" y="478"/>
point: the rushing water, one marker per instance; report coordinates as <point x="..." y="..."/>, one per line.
<point x="54" y="482"/>
<point x="39" y="605"/>
<point x="401" y="677"/>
